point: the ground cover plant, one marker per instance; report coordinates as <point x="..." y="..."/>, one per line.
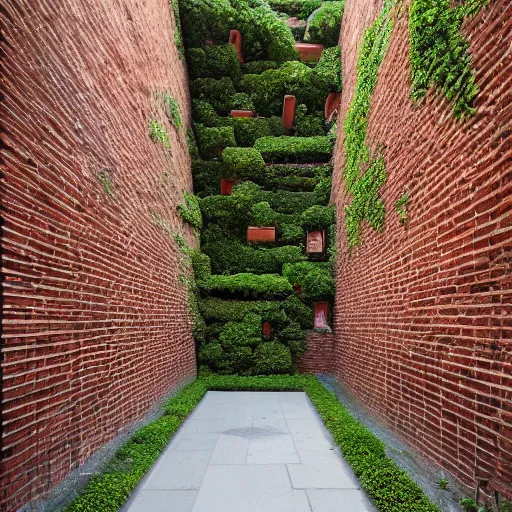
<point x="390" y="488"/>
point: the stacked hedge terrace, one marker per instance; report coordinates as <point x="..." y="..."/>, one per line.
<point x="254" y="298"/>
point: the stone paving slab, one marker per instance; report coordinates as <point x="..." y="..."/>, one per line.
<point x="251" y="452"/>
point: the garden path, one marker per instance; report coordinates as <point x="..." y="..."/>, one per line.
<point x="251" y="452"/>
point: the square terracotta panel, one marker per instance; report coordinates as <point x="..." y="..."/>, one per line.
<point x="267" y="234"/>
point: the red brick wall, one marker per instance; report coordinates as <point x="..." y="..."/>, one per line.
<point x="95" y="325"/>
<point x="423" y="317"/>
<point x="319" y="354"/>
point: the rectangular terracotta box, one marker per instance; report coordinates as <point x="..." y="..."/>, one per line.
<point x="267" y="234"/>
<point x="226" y="186"/>
<point x="267" y="329"/>
<point x="242" y="113"/>
<point x="315" y="242"/>
<point x="321" y="315"/>
<point x="309" y="52"/>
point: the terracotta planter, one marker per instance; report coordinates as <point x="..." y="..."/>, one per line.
<point x="331" y="104"/>
<point x="242" y="113"/>
<point x="321" y="315"/>
<point x="226" y="186"/>
<point x="267" y="329"/>
<point x="267" y="234"/>
<point x="316" y="242"/>
<point x="235" y="38"/>
<point x="288" y="112"/>
<point x="298" y="288"/>
<point x="209" y="41"/>
<point x="309" y="52"/>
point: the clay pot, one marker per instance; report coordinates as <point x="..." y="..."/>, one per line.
<point x="288" y="116"/>
<point x="321" y="315"/>
<point x="332" y="104"/>
<point x="315" y="242"/>
<point x="255" y="234"/>
<point x="242" y="113"/>
<point x="309" y="52"/>
<point x="226" y="186"/>
<point x="267" y="329"/>
<point x="235" y="38"/>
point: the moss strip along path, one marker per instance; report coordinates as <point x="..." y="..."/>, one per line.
<point x="390" y="489"/>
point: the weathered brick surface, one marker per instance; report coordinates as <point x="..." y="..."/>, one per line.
<point x="319" y="356"/>
<point x="95" y="325"/>
<point x="423" y="317"/>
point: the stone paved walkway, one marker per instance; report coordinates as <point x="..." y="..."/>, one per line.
<point x="251" y="452"/>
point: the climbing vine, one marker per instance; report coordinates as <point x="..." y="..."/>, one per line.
<point x="439" y="52"/>
<point x="190" y="210"/>
<point x="365" y="173"/>
<point x="158" y="134"/>
<point x="172" y="110"/>
<point x="402" y="208"/>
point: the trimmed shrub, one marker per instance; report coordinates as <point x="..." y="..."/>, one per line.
<point x="241" y="101"/>
<point x="272" y="358"/>
<point x="245" y="333"/>
<point x="315" y="278"/>
<point x="212" y="355"/>
<point x="201" y="265"/>
<point x="295" y="338"/>
<point x="249" y="130"/>
<point x="212" y="141"/>
<point x="219" y="310"/>
<point x="214" y="61"/>
<point x="207" y="175"/>
<point x="190" y="210"/>
<point x="297" y="8"/>
<point x="263" y="215"/>
<point x="318" y="217"/>
<point x="203" y="113"/>
<point x="193" y="150"/>
<point x="259" y="66"/>
<point x="268" y="89"/>
<point x="309" y="125"/>
<point x="325" y="24"/>
<point x="216" y="92"/>
<point x="283" y="201"/>
<point x="327" y="72"/>
<point x="297" y="310"/>
<point x="295" y="149"/>
<point x="242" y="162"/>
<point x="264" y="286"/>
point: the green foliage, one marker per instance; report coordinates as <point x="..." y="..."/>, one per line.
<point x="245" y="333"/>
<point x="193" y="151"/>
<point x="172" y="110"/>
<point x="207" y="175"/>
<point x="318" y="217"/>
<point x="268" y="88"/>
<point x="106" y="182"/>
<point x="242" y="163"/>
<point x="158" y="134"/>
<point x="324" y="27"/>
<point x="328" y="70"/>
<point x="264" y="286"/>
<point x="178" y="37"/>
<point x="201" y="265"/>
<point x="439" y="52"/>
<point x="259" y="66"/>
<point x="212" y="141"/>
<point x="216" y="92"/>
<point x="295" y="149"/>
<point x="272" y="358"/>
<point x="248" y="130"/>
<point x="264" y="34"/>
<point x="363" y="174"/>
<point x="315" y="279"/>
<point x="309" y="125"/>
<point x="190" y="210"/>
<point x="214" y="61"/>
<point x="506" y="506"/>
<point x="297" y="310"/>
<point x="241" y="101"/>
<point x="401" y="207"/>
<point x="443" y="484"/>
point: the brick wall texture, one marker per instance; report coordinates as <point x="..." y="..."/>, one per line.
<point x="319" y="356"/>
<point x="95" y="325"/>
<point x="423" y="315"/>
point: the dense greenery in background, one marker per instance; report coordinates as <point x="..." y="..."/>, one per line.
<point x="439" y="52"/>
<point x="324" y="28"/>
<point x="365" y="173"/>
<point x="390" y="488"/>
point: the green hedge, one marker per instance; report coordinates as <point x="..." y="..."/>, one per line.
<point x="230" y="255"/>
<point x="212" y="141"/>
<point x="315" y="279"/>
<point x="263" y="286"/>
<point x="324" y="27"/>
<point x="268" y="89"/>
<point x="272" y="358"/>
<point x="318" y="217"/>
<point x="295" y="149"/>
<point x="264" y="34"/>
<point x="218" y="93"/>
<point x="242" y="163"/>
<point x="328" y="70"/>
<point x="207" y="175"/>
<point x="214" y="61"/>
<point x="309" y="125"/>
<point x="390" y="488"/>
<point x="258" y="66"/>
<point x="296" y="8"/>
<point x="249" y="129"/>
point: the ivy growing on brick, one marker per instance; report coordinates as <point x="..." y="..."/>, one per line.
<point x="158" y="134"/>
<point x="190" y="210"/>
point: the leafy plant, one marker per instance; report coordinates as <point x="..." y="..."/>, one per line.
<point x="401" y="207"/>
<point x="172" y="109"/>
<point x="106" y="182"/>
<point x="443" y="484"/>
<point x="324" y="27"/>
<point x="439" y="52"/>
<point x="190" y="210"/>
<point x="295" y="149"/>
<point x="212" y="141"/>
<point x="158" y="134"/>
<point x="242" y="162"/>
